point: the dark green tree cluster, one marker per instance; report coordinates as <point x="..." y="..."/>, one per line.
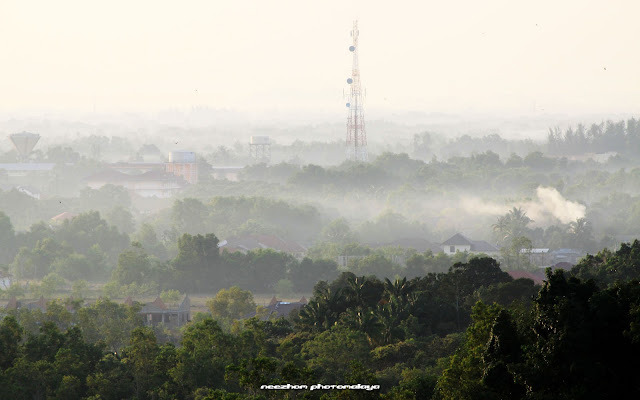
<point x="621" y="136"/>
<point x="607" y="267"/>
<point x="82" y="248"/>
<point x="576" y="342"/>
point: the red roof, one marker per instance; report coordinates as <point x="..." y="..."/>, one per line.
<point x="63" y="217"/>
<point x="159" y="303"/>
<point x="527" y="275"/>
<point x="276" y="243"/>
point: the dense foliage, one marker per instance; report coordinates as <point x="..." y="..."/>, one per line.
<point x="417" y="339"/>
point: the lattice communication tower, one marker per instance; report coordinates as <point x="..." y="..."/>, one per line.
<point x="356" y="143"/>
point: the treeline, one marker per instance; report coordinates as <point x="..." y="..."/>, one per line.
<point x="66" y="359"/>
<point x="471" y="332"/>
<point x="621" y="137"/>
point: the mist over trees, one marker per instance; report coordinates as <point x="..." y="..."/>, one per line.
<point x="388" y="303"/>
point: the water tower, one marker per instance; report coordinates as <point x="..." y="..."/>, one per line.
<point x="24" y="143"/>
<point x="260" y="149"/>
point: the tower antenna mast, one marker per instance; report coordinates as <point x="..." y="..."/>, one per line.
<point x="356" y="143"/>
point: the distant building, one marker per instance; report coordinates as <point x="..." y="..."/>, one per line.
<point x="156" y="312"/>
<point x="183" y="164"/>
<point x="571" y="256"/>
<point x="277" y="308"/>
<point x="537" y="278"/>
<point x="256" y="242"/>
<point x="27" y="169"/>
<point x="14" y="304"/>
<point x="344" y="261"/>
<point x="29" y="191"/>
<point x="460" y="243"/>
<point x="538" y="256"/>
<point x="148" y="184"/>
<point x="60" y="218"/>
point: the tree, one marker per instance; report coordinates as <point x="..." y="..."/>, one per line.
<point x="121" y="218"/>
<point x="141" y="354"/>
<point x="49" y="285"/>
<point x="204" y="353"/>
<point x="198" y="262"/>
<point x="376" y="265"/>
<point x="338" y="231"/>
<point x="80" y="289"/>
<point x="307" y="272"/>
<point x="463" y="379"/>
<point x="133" y="266"/>
<point x="512" y="225"/>
<point x="582" y="233"/>
<point x="230" y="304"/>
<point x="7" y="239"/>
<point x="189" y="215"/>
<point x="74" y="266"/>
<point x="88" y="229"/>
<point x="331" y="352"/>
<point x="147" y="237"/>
<point x="10" y="336"/>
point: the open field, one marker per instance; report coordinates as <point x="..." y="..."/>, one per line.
<point x="198" y="301"/>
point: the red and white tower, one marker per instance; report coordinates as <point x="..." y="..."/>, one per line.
<point x="356" y="144"/>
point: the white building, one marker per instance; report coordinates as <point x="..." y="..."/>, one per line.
<point x="460" y="243"/>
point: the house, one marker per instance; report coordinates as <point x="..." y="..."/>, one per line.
<point x="157" y="312"/>
<point x="418" y="244"/>
<point x="256" y="242"/>
<point x="537" y="256"/>
<point x="15" y="304"/>
<point x="30" y="191"/>
<point x="278" y="309"/>
<point x="571" y="256"/>
<point x="536" y="277"/>
<point x="343" y="261"/>
<point x="152" y="183"/>
<point x="60" y="218"/>
<point x="460" y="243"/>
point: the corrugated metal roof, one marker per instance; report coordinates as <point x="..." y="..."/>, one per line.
<point x="27" y="166"/>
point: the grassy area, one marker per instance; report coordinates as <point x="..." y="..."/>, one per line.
<point x="198" y="301"/>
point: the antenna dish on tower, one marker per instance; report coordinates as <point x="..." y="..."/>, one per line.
<point x="356" y="143"/>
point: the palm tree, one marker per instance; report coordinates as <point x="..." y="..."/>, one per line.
<point x="323" y="311"/>
<point x="582" y="231"/>
<point x="400" y="288"/>
<point x="512" y="225"/>
<point x="390" y="316"/>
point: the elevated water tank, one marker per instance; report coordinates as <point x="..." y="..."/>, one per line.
<point x="24" y="143"/>
<point x="182" y="156"/>
<point x="260" y="140"/>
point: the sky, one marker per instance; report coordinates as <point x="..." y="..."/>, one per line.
<point x="493" y="56"/>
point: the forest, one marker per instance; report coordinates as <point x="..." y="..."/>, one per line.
<point x="386" y="303"/>
<point x="471" y="332"/>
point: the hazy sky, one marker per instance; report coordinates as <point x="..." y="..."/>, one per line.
<point x="291" y="56"/>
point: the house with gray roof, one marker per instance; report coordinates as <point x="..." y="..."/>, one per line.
<point x="460" y="243"/>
